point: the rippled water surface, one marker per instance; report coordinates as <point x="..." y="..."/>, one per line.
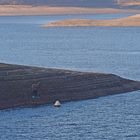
<point x="100" y="49"/>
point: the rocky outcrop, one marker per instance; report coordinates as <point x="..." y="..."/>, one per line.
<point x="16" y="84"/>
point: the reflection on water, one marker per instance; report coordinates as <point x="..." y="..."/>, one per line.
<point x="101" y="49"/>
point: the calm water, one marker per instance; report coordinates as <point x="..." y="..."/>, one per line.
<point x="99" y="49"/>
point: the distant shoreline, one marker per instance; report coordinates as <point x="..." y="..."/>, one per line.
<point x="133" y="21"/>
<point x="15" y="10"/>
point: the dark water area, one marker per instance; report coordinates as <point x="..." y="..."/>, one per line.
<point x="113" y="117"/>
<point x="96" y="49"/>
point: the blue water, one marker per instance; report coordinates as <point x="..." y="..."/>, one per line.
<point x="99" y="49"/>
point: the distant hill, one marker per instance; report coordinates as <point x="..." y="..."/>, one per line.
<point x="77" y="3"/>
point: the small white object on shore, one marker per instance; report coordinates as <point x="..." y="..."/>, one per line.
<point x="57" y="104"/>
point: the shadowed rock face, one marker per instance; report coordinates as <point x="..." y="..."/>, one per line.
<point x="16" y="85"/>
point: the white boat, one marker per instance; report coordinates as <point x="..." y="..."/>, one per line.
<point x="57" y="104"/>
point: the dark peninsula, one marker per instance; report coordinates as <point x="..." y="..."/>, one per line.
<point x="27" y="86"/>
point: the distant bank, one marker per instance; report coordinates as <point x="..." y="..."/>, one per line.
<point x="77" y="3"/>
<point x="121" y="22"/>
<point x="27" y="86"/>
<point x="12" y="10"/>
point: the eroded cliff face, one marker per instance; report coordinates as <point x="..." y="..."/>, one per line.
<point x="16" y="84"/>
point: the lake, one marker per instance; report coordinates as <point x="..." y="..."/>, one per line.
<point x="95" y="49"/>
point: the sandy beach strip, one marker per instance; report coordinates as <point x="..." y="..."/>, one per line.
<point x="127" y="21"/>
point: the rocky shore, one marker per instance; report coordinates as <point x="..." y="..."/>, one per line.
<point x="26" y="86"/>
